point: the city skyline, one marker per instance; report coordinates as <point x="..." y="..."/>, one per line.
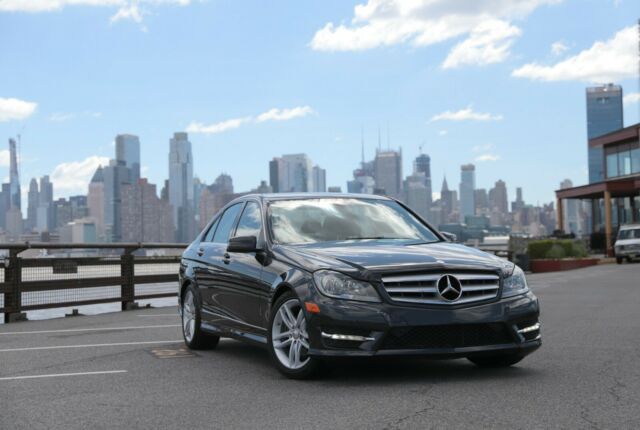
<point x="314" y="92"/>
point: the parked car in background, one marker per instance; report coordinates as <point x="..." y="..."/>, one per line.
<point x="312" y="276"/>
<point x="627" y="244"/>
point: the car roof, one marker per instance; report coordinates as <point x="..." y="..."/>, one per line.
<point x="310" y="196"/>
<point x="629" y="226"/>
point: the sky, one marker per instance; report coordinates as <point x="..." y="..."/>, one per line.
<point x="497" y="83"/>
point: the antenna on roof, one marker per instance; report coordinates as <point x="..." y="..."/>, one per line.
<point x="379" y="139"/>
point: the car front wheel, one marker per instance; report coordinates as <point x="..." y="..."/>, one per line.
<point x="289" y="340"/>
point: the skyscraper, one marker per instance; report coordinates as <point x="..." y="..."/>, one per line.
<point x="295" y="173"/>
<point x="145" y="217"/>
<point x="96" y="202"/>
<point x="181" y="186"/>
<point x="498" y="200"/>
<point x="604" y="115"/>
<point x="319" y="179"/>
<point x="519" y="202"/>
<point x="467" y="189"/>
<point x="481" y="201"/>
<point x="128" y="154"/>
<point x="422" y="164"/>
<point x="33" y="201"/>
<point x="388" y="172"/>
<point x="115" y="175"/>
<point x="415" y="194"/>
<point x="44" y="213"/>
<point x="14" y="177"/>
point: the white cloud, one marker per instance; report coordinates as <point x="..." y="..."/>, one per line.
<point x="631" y="98"/>
<point x="380" y="23"/>
<point x="466" y="114"/>
<point x="488" y="43"/>
<point x="487" y="157"/>
<point x="127" y="13"/>
<point x="558" y="48"/>
<point x="612" y="60"/>
<point x="443" y="133"/>
<point x="284" y="114"/>
<point x="126" y="9"/>
<point x="4" y="158"/>
<point x="73" y="177"/>
<point x="219" y="127"/>
<point x="15" y="109"/>
<point x="274" y="114"/>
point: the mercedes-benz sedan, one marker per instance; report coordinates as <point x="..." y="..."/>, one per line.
<point x="311" y="276"/>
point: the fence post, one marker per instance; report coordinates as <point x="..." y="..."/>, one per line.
<point x="13" y="297"/>
<point x="127" y="288"/>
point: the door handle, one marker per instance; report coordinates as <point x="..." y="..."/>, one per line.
<point x="226" y="258"/>
<point x="200" y="252"/>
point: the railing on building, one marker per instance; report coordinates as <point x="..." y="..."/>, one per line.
<point x="85" y="274"/>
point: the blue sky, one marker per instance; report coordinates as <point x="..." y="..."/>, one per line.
<point x="499" y="83"/>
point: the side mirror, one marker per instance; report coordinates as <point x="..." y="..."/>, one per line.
<point x="449" y="236"/>
<point x="242" y="244"/>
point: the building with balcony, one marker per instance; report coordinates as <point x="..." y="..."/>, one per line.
<point x="615" y="200"/>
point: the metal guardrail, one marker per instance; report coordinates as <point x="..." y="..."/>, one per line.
<point x="52" y="281"/>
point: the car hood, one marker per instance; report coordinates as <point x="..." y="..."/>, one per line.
<point x="378" y="256"/>
<point x="620" y="242"/>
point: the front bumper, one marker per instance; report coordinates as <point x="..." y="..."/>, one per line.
<point x="382" y="329"/>
<point x="628" y="252"/>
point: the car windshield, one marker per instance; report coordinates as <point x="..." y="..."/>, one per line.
<point x="632" y="233"/>
<point x="342" y="219"/>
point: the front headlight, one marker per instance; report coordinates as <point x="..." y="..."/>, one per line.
<point x="515" y="284"/>
<point x="341" y="286"/>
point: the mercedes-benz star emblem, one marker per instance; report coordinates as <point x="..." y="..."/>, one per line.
<point x="449" y="288"/>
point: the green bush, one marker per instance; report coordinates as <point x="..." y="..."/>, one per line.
<point x="556" y="251"/>
<point x="556" y="248"/>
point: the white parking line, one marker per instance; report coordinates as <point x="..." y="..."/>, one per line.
<point x="57" y="375"/>
<point x="90" y="329"/>
<point x="95" y="345"/>
<point x="161" y="315"/>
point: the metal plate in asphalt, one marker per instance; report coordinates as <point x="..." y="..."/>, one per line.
<point x="181" y="352"/>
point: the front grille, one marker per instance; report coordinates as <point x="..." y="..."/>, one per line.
<point x="447" y="336"/>
<point x="423" y="287"/>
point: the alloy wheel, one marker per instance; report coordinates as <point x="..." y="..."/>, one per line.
<point x="188" y="316"/>
<point x="289" y="335"/>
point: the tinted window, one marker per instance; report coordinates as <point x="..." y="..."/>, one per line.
<point x="340" y="219"/>
<point x="250" y="222"/>
<point x="209" y="236"/>
<point x="226" y="224"/>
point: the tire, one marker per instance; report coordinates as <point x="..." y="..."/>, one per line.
<point x="289" y="351"/>
<point x="503" y="360"/>
<point x="619" y="260"/>
<point x="192" y="333"/>
<point x="629" y="260"/>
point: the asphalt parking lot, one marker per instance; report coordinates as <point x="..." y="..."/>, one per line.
<point x="130" y="370"/>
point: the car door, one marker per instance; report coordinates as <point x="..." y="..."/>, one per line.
<point x="211" y="276"/>
<point x="248" y="297"/>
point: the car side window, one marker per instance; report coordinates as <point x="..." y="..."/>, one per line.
<point x="209" y="236"/>
<point x="250" y="222"/>
<point x="226" y="224"/>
